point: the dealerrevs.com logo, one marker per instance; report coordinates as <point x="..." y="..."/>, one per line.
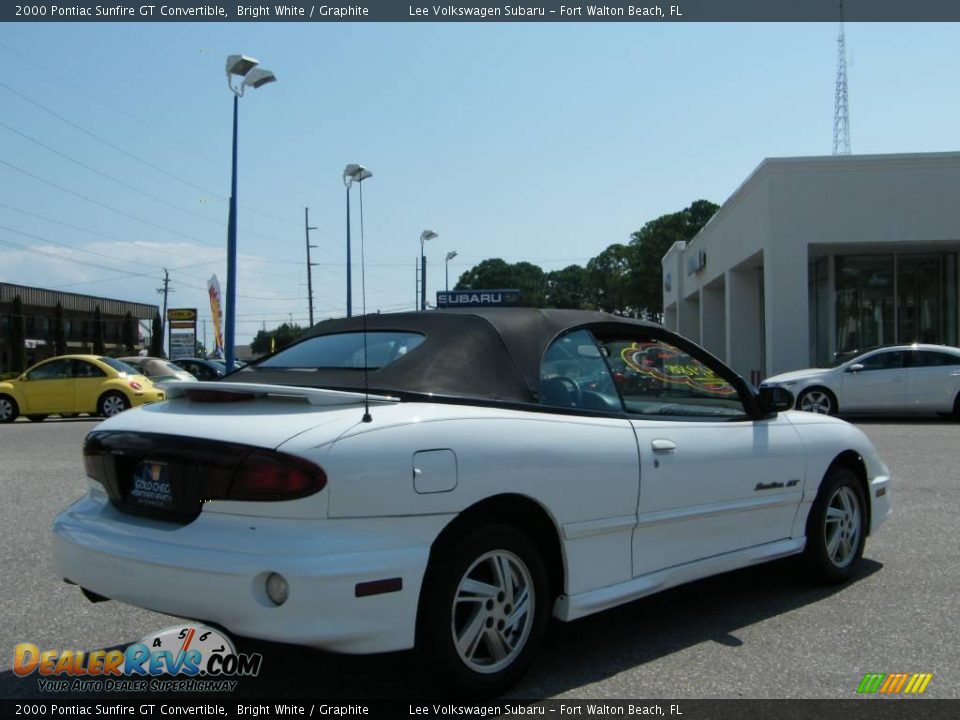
<point x="199" y="658"/>
<point x="894" y="683"/>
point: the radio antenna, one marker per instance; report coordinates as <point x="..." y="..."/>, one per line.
<point x="363" y="298"/>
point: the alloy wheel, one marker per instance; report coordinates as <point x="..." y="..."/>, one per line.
<point x="493" y="612"/>
<point x="6" y="410"/>
<point x="113" y="405"/>
<point x="841" y="527"/>
<point x="816" y="401"/>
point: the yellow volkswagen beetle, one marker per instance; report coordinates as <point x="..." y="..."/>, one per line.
<point x="72" y="384"/>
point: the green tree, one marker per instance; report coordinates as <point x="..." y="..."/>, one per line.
<point x="156" y="337"/>
<point x="59" y="331"/>
<point x="497" y="274"/>
<point x="18" y="335"/>
<point x="608" y="280"/>
<point x="268" y="341"/>
<point x="649" y="245"/>
<point x="566" y="288"/>
<point x="98" y="321"/>
<point x="129" y="332"/>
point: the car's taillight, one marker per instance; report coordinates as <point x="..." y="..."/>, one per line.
<point x="135" y="385"/>
<point x="265" y="475"/>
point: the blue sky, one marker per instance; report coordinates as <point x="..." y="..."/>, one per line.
<point x="541" y="142"/>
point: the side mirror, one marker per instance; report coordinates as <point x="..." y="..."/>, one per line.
<point x="855" y="368"/>
<point x="773" y="399"/>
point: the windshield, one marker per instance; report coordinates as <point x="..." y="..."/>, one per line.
<point x="345" y="350"/>
<point x="846" y="356"/>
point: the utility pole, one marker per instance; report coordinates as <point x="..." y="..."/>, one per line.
<point x="165" y="290"/>
<point x="416" y="283"/>
<point x="205" y="348"/>
<point x="306" y="230"/>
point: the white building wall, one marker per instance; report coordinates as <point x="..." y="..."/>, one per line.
<point x="792" y="209"/>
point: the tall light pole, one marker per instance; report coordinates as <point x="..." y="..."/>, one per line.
<point x="352" y="173"/>
<point x="246" y="68"/>
<point x="424" y="236"/>
<point x="450" y="256"/>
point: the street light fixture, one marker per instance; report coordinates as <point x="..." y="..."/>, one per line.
<point x="244" y="67"/>
<point x="352" y="173"/>
<point x="450" y="256"/>
<point x="424" y="236"/>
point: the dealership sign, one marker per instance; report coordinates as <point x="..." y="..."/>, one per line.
<point x="182" y="332"/>
<point x="478" y="298"/>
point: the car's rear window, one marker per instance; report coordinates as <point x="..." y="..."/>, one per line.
<point x="346" y="350"/>
<point x="120" y="366"/>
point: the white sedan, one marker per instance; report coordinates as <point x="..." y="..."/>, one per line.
<point x="449" y="480"/>
<point x="894" y="379"/>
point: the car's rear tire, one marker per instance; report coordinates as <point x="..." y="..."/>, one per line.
<point x="836" y="527"/>
<point x="956" y="407"/>
<point x="112" y="403"/>
<point x="483" y="610"/>
<point x="36" y="418"/>
<point x="8" y="409"/>
<point x="817" y="400"/>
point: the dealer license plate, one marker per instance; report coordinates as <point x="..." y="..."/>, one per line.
<point x="151" y="486"/>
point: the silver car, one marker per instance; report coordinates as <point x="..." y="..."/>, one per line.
<point x="893" y="379"/>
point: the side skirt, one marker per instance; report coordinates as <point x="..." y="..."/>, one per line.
<point x="571" y="607"/>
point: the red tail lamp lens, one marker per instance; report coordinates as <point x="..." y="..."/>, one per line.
<point x="264" y="475"/>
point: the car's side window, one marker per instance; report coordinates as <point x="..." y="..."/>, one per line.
<point x="573" y="374"/>
<point x="883" y="361"/>
<point x="929" y="358"/>
<point x="657" y="378"/>
<point x="56" y="370"/>
<point x="82" y="369"/>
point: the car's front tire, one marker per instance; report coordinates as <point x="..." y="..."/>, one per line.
<point x="817" y="400"/>
<point x="483" y="609"/>
<point x="836" y="527"/>
<point x="8" y="409"/>
<point x="112" y="403"/>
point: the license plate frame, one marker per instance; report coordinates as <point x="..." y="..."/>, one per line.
<point x="151" y="486"/>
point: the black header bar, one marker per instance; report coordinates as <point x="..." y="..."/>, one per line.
<point x="485" y="11"/>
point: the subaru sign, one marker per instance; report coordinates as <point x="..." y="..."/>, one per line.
<point x="478" y="298"/>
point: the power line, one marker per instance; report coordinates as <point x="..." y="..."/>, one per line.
<point x="125" y="152"/>
<point x="133" y="117"/>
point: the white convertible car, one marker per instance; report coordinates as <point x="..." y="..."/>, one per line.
<point x="449" y="480"/>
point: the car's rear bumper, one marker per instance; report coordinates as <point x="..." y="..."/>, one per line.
<point x="215" y="568"/>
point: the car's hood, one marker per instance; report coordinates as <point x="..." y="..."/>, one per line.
<point x="257" y="415"/>
<point x="797" y="375"/>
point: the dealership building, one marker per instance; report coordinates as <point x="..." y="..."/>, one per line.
<point x="813" y="256"/>
<point x="39" y="317"/>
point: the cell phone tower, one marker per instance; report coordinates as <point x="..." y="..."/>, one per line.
<point x="841" y="107"/>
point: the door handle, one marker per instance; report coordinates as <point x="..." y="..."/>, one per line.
<point x="663" y="446"/>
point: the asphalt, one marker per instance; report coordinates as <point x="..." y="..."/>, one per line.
<point x="764" y="632"/>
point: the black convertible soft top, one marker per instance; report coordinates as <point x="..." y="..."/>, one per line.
<point x="482" y="353"/>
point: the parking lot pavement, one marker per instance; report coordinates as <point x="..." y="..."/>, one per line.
<point x="757" y="633"/>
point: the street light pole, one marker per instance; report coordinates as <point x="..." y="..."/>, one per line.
<point x="450" y="256"/>
<point x="352" y="173"/>
<point x="246" y="68"/>
<point x="424" y="236"/>
<point x="231" y="308"/>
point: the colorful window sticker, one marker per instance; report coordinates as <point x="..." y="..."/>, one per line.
<point x="669" y="365"/>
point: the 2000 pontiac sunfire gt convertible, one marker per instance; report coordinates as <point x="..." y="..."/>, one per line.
<point x="514" y="464"/>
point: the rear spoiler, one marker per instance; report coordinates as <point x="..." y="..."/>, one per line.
<point x="234" y="391"/>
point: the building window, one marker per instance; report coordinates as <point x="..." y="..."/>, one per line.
<point x="864" y="301"/>
<point x="901" y="298"/>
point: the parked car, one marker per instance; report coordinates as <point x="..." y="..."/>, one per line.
<point x="891" y="379"/>
<point x="201" y="368"/>
<point x="71" y="384"/>
<point x="159" y="369"/>
<point x="472" y="493"/>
